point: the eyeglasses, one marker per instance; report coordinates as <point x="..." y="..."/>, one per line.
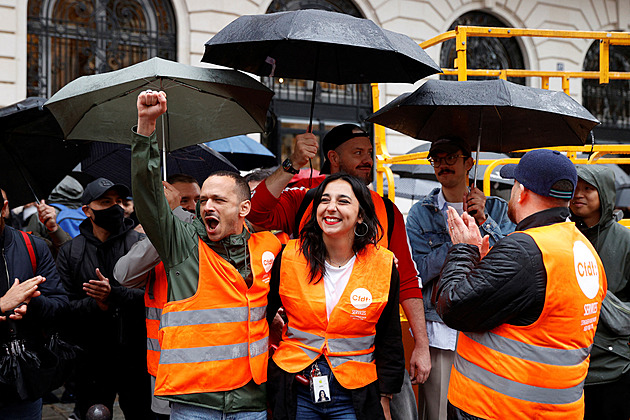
<point x="449" y="160"/>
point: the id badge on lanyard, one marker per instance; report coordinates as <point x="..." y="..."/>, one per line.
<point x="320" y="390"/>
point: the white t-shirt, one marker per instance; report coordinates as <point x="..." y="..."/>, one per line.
<point x="335" y="282"/>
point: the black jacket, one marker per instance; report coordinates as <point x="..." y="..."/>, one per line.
<point x="507" y="286"/>
<point x="43" y="311"/>
<point x="388" y="352"/>
<point x="88" y="326"/>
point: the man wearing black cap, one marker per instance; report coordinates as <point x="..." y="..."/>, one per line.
<point x="528" y="308"/>
<point x="106" y="319"/>
<point x="348" y="148"/>
<point x="429" y="239"/>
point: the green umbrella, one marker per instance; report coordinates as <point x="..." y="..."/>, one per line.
<point x="203" y="104"/>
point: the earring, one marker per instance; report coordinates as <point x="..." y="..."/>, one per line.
<point x="361" y="234"/>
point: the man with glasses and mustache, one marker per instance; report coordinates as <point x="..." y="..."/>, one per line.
<point x="429" y="238"/>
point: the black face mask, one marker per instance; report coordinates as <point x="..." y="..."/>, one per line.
<point x="111" y="219"/>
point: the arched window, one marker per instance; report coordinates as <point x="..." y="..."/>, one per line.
<point x="334" y="104"/>
<point x="483" y="53"/>
<point x="609" y="103"/>
<point x="72" y="38"/>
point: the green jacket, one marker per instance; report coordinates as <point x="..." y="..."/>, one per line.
<point x="177" y="243"/>
<point x="610" y="356"/>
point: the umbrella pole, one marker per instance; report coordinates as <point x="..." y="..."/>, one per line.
<point x="163" y="147"/>
<point x="17" y="161"/>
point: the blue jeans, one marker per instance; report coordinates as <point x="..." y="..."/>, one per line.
<point x="339" y="408"/>
<point x="192" y="412"/>
<point x="24" y="410"/>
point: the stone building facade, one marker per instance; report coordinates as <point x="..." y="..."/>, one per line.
<point x="188" y="24"/>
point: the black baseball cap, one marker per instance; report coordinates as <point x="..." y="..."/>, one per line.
<point x="335" y="138"/>
<point x="95" y="189"/>
<point x="449" y="145"/>
<point x="540" y="170"/>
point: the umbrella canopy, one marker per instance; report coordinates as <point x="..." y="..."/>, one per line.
<point x="33" y="154"/>
<point x="244" y="152"/>
<point x="319" y="45"/>
<point x="203" y="104"/>
<point x="427" y="172"/>
<point x="113" y="161"/>
<point x="504" y="116"/>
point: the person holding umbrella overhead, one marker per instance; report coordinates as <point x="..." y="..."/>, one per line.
<point x="430" y="242"/>
<point x="528" y="308"/>
<point x="348" y="149"/>
<point x="214" y="335"/>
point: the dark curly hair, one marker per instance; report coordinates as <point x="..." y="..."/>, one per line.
<point x="311" y="240"/>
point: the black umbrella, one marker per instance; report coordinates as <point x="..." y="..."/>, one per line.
<point x="321" y="46"/>
<point x="34" y="156"/>
<point x="113" y="161"/>
<point x="491" y="115"/>
<point x="506" y="115"/>
<point x="28" y="373"/>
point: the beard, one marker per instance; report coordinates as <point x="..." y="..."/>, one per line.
<point x="511" y="212"/>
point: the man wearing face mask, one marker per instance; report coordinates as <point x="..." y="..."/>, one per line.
<point x="106" y="319"/>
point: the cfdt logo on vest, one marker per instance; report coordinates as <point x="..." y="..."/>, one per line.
<point x="267" y="260"/>
<point x="361" y="298"/>
<point x="586" y="270"/>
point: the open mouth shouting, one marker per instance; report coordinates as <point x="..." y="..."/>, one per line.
<point x="211" y="223"/>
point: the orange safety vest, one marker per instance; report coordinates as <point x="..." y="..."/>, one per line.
<point x="155" y="296"/>
<point x="347" y="339"/>
<point x="217" y="340"/>
<point x="537" y="371"/>
<point x="381" y="215"/>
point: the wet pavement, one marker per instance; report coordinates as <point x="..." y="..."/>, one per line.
<point x="59" y="411"/>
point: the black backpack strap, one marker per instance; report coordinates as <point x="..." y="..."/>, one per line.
<point x="389" y="208"/>
<point x="308" y="199"/>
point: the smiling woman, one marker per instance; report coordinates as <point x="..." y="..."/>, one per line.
<point x="338" y="328"/>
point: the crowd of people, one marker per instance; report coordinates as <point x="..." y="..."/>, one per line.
<point x="244" y="299"/>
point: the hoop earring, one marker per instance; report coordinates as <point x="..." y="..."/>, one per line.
<point x="361" y="234"/>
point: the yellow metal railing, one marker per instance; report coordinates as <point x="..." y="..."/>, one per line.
<point x="461" y="70"/>
<point x="462" y="33"/>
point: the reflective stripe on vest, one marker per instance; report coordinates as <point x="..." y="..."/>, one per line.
<point x="213" y="316"/>
<point x="537" y="370"/>
<point x="155" y="296"/>
<point x="335" y="345"/>
<point x="517" y="390"/>
<point x="217" y="340"/>
<point x="349" y="334"/>
<point x="153" y="345"/>
<point x="381" y="215"/>
<point x="214" y="353"/>
<point x="154" y="314"/>
<point x="548" y="356"/>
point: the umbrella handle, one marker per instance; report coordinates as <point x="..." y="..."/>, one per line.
<point x="163" y="117"/>
<point x="472" y="213"/>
